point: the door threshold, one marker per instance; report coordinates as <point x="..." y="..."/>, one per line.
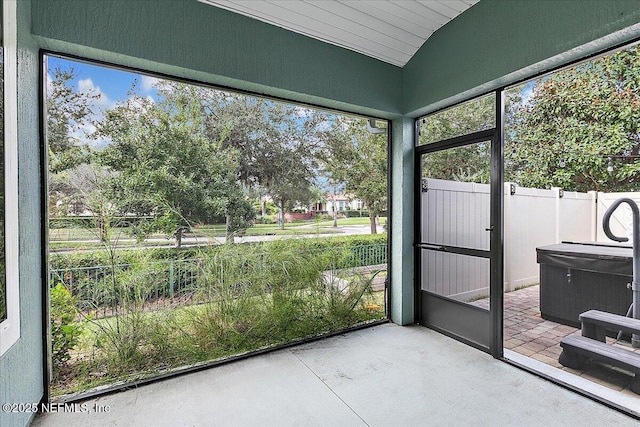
<point x="627" y="403"/>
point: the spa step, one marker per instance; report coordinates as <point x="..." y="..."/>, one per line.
<point x="595" y="323"/>
<point x="577" y="351"/>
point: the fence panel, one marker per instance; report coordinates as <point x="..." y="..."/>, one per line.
<point x="455" y="214"/>
<point x="530" y="221"/>
<point x="621" y="222"/>
<point x="459" y="277"/>
<point x="534" y="218"/>
<point x="576" y="217"/>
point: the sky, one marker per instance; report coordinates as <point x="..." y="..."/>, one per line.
<point x="110" y="82"/>
<point x="112" y="85"/>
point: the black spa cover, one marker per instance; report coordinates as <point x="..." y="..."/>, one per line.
<point x="594" y="257"/>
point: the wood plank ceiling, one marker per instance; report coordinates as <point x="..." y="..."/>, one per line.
<point x="389" y="30"/>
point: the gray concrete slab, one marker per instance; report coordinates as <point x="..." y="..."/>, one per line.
<point x="382" y="376"/>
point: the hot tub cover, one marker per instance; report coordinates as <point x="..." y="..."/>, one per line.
<point x="594" y="257"/>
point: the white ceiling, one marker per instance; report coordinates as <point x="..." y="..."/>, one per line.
<point x="389" y="30"/>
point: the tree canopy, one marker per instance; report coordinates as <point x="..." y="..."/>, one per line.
<point x="357" y="158"/>
<point x="69" y="114"/>
<point x="68" y="110"/>
<point x="577" y="129"/>
<point x="467" y="163"/>
<point x="166" y="167"/>
<point x="192" y="154"/>
<point x="277" y="144"/>
<point x="575" y="122"/>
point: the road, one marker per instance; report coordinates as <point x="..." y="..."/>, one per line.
<point x="189" y="241"/>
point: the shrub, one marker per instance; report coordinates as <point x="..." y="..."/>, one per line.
<point x="269" y="219"/>
<point x="121" y="339"/>
<point x="356" y="214"/>
<point x="65" y="331"/>
<point x="92" y="258"/>
<point x="245" y="297"/>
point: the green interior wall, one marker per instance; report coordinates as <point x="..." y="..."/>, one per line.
<point x="186" y="38"/>
<point x="21" y="368"/>
<point x="402" y="214"/>
<point x="499" y="42"/>
<point x="492" y="44"/>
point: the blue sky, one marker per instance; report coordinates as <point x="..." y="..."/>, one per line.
<point x="113" y="83"/>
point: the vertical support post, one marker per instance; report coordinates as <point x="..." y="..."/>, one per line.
<point x="594" y="215"/>
<point x="557" y="195"/>
<point x="401" y="259"/>
<point x="508" y="274"/>
<point x="496" y="289"/>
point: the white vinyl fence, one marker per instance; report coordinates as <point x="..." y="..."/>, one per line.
<point x="621" y="223"/>
<point x="457" y="214"/>
<point x="534" y="218"/>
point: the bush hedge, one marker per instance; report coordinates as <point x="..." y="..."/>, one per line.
<point x="91" y="258"/>
<point x="355" y="214"/>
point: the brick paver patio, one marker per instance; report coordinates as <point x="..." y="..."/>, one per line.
<point x="527" y="333"/>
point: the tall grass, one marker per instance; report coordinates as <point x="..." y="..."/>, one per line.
<point x="245" y="298"/>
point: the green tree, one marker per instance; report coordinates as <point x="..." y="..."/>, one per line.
<point x="575" y="121"/>
<point x="357" y="158"/>
<point x="288" y="165"/>
<point x="165" y="166"/>
<point x="276" y="143"/>
<point x="69" y="114"/>
<point x="289" y="180"/>
<point x="229" y="119"/>
<point x="68" y="111"/>
<point x="469" y="163"/>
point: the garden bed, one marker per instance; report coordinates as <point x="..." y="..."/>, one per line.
<point x="242" y="299"/>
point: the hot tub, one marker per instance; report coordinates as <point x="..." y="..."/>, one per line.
<point x="576" y="277"/>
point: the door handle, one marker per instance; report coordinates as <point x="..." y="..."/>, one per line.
<point x="489" y="229"/>
<point x="432" y="247"/>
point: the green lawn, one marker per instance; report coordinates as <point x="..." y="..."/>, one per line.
<point x="350" y="221"/>
<point x="218" y="230"/>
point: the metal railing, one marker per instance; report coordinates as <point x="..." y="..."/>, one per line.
<point x="104" y="291"/>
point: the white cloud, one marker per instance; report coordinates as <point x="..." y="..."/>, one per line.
<point x="49" y="83"/>
<point x="98" y="105"/>
<point x="302" y="111"/>
<point x="86" y="85"/>
<point x="147" y="83"/>
<point x="102" y="102"/>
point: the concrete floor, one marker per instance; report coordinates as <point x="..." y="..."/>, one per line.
<point x="382" y="376"/>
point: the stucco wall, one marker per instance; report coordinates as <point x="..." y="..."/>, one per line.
<point x="190" y="39"/>
<point x="498" y="42"/>
<point x="402" y="216"/>
<point x="21" y="368"/>
<point x="493" y="43"/>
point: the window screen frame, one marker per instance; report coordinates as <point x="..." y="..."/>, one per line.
<point x="10" y="327"/>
